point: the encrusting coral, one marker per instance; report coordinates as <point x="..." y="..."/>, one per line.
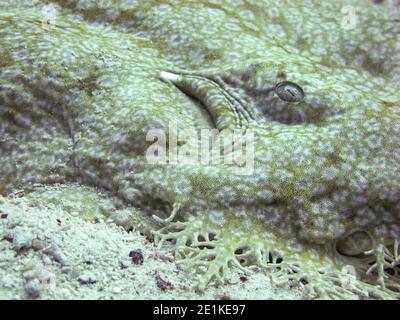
<point x="83" y="82"/>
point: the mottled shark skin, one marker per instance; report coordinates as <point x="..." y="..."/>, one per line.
<point x="83" y="82"/>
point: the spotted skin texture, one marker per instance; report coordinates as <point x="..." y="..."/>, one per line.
<point x="81" y="88"/>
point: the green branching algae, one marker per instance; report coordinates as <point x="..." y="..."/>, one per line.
<point x="82" y="82"/>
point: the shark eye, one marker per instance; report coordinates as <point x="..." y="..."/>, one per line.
<point x="355" y="244"/>
<point x="289" y="91"/>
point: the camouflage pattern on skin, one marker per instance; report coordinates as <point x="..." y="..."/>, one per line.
<point x="79" y="91"/>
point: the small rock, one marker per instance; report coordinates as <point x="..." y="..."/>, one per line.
<point x="33" y="289"/>
<point x="89" y="260"/>
<point x="54" y="252"/>
<point x="137" y="256"/>
<point x="7" y="282"/>
<point x="98" y="219"/>
<point x="116" y="290"/>
<point x="163" y="284"/>
<point x="30" y="274"/>
<point x="120" y="218"/>
<point x="8" y="237"/>
<point x="38" y="244"/>
<point x="87" y="278"/>
<point x="72" y="272"/>
<point x="65" y="293"/>
<point x="162" y="257"/>
<point x="47" y="261"/>
<point x="115" y="277"/>
<point x="74" y="213"/>
<point x="22" y="240"/>
<point x="13" y="221"/>
<point x="67" y="208"/>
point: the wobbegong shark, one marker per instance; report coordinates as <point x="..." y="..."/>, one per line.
<point x="83" y="82"/>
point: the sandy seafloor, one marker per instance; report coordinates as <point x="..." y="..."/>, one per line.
<point x="48" y="251"/>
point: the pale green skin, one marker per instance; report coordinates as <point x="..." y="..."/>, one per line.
<point x="79" y="92"/>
